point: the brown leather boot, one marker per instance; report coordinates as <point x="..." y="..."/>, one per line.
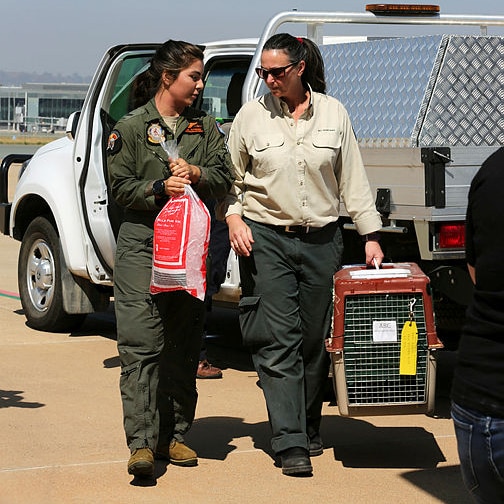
<point x="179" y="454"/>
<point x="141" y="462"/>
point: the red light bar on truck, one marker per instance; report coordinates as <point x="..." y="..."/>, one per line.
<point x="403" y="9"/>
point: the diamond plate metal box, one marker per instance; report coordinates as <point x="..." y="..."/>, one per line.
<point x="365" y="357"/>
<point x="421" y="91"/>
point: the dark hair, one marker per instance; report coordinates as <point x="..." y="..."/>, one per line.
<point x="172" y="57"/>
<point x="300" y="48"/>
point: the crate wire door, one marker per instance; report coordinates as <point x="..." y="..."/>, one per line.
<point x="371" y="368"/>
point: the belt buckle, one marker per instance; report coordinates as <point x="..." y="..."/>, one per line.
<point x="305" y="229"/>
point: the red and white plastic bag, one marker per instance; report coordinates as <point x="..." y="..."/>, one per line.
<point x="180" y="246"/>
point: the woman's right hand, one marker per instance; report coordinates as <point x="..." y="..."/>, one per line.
<point x="240" y="235"/>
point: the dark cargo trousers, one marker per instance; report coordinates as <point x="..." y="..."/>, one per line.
<point x="285" y="316"/>
<point x="159" y="339"/>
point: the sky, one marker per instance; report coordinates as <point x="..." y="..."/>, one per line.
<point x="70" y="36"/>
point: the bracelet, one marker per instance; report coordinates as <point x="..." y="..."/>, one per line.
<point x="371" y="237"/>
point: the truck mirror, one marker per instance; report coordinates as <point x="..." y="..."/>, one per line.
<point x="71" y="127"/>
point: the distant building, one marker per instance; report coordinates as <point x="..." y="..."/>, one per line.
<point x="39" y="107"/>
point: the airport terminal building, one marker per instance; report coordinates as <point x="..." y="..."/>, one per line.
<point x="34" y="108"/>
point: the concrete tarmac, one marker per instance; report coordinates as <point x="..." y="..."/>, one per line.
<point x="62" y="439"/>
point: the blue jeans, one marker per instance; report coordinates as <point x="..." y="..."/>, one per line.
<point x="480" y="443"/>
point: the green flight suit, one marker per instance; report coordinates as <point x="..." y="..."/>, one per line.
<point x="158" y="336"/>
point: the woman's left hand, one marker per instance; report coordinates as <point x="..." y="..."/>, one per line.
<point x="374" y="254"/>
<point x="181" y="168"/>
<point x="175" y="186"/>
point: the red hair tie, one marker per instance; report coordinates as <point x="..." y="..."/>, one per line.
<point x="300" y="39"/>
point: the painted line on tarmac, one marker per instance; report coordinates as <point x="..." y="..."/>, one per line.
<point x="59" y="466"/>
<point x="84" y="464"/>
<point x="12" y="295"/>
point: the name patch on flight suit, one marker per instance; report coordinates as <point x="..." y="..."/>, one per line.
<point x="194" y="127"/>
<point x="114" y="142"/>
<point x="155" y="132"/>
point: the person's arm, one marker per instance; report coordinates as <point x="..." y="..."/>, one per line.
<point x="356" y="192"/>
<point x="470" y="251"/>
<point x="128" y="188"/>
<point x="472" y="273"/>
<point x="213" y="179"/>
<point x="240" y="235"/>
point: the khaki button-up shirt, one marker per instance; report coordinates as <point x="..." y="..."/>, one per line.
<point x="296" y="172"/>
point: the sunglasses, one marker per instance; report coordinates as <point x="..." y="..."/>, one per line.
<point x="276" y="73"/>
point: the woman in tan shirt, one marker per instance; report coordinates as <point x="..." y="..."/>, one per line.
<point x="296" y="158"/>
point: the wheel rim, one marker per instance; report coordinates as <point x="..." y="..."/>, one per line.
<point x="40" y="275"/>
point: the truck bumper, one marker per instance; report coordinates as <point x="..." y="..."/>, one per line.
<point x="5" y="209"/>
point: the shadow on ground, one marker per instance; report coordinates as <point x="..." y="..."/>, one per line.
<point x="353" y="442"/>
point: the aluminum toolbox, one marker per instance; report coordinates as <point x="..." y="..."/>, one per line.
<point x="412" y="97"/>
<point x="366" y="357"/>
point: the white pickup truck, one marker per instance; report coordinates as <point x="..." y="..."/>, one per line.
<point x="427" y="110"/>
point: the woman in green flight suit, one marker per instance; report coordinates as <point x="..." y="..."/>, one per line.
<point x="159" y="336"/>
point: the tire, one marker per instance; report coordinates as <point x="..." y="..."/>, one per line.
<point x="39" y="279"/>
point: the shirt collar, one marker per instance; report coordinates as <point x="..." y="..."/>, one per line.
<point x="281" y="106"/>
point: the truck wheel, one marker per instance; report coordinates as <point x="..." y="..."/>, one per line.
<point x="39" y="279"/>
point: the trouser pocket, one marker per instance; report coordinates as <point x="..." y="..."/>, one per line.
<point x="464" y="430"/>
<point x="253" y="324"/>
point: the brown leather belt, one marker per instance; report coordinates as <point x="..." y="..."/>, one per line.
<point x="297" y="229"/>
<point x="294" y="230"/>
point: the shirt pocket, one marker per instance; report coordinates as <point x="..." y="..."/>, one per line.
<point x="327" y="139"/>
<point x="268" y="150"/>
<point x="326" y="148"/>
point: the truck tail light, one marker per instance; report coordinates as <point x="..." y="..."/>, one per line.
<point x="452" y="235"/>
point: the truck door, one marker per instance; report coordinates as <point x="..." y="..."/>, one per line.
<point x="222" y="98"/>
<point x="110" y="101"/>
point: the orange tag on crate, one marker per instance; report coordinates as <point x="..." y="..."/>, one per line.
<point x="409" y="342"/>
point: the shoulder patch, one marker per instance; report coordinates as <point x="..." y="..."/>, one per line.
<point x="114" y="143"/>
<point x="218" y="125"/>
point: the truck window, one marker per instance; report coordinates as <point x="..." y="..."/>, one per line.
<point x="121" y="101"/>
<point x="223" y="85"/>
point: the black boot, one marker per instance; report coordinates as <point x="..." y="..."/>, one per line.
<point x="296" y="462"/>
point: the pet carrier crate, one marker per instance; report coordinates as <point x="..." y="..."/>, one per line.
<point x="383" y="341"/>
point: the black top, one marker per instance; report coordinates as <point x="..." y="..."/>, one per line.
<point x="479" y="375"/>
